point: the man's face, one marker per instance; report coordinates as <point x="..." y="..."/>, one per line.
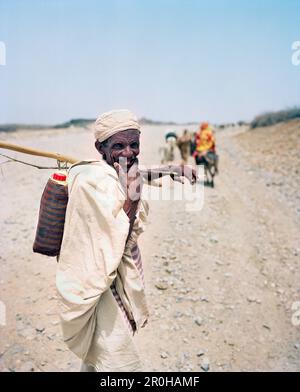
<point x="125" y="145"/>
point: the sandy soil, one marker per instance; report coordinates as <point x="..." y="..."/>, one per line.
<point x="229" y="272"/>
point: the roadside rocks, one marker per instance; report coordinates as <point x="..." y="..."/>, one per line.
<point x="198" y="321"/>
<point x="205" y="365"/>
<point x="164" y="355"/>
<point x="161" y="285"/>
<point x="27" y="367"/>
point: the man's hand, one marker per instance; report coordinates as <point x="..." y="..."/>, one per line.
<point x="178" y="172"/>
<point x="132" y="183"/>
<point x="186" y="171"/>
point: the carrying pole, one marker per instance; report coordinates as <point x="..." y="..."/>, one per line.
<point x="66" y="158"/>
<point x="40" y="153"/>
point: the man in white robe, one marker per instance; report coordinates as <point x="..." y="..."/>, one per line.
<point x="99" y="275"/>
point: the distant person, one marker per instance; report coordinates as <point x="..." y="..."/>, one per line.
<point x="205" y="143"/>
<point x="193" y="143"/>
<point x="167" y="151"/>
<point x="184" y="145"/>
<point x="205" y="153"/>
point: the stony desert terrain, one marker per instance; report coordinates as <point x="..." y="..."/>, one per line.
<point x="221" y="280"/>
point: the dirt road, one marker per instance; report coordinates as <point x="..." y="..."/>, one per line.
<point x="220" y="282"/>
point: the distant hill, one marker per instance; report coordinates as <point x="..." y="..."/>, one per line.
<point x="77" y="122"/>
<point x="147" y="121"/>
<point x="271" y="118"/>
<point x="262" y="120"/>
<point x="16" y="127"/>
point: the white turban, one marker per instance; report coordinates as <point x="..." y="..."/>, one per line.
<point x="113" y="122"/>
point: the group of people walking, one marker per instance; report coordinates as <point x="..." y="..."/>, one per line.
<point x="200" y="145"/>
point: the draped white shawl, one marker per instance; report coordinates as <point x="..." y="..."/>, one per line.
<point x="94" y="253"/>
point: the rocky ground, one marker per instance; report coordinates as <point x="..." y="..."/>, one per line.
<point x="276" y="159"/>
<point x="221" y="280"/>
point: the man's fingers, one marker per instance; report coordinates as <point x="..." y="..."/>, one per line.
<point x="194" y="176"/>
<point x="131" y="181"/>
<point x="190" y="174"/>
<point x="178" y="179"/>
<point x="134" y="171"/>
<point x="121" y="175"/>
<point x="117" y="167"/>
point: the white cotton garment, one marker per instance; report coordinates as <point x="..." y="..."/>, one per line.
<point x="94" y="254"/>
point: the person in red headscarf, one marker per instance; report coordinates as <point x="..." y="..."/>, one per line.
<point x="205" y="152"/>
<point x="205" y="139"/>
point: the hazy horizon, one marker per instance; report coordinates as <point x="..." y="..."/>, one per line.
<point x="166" y="60"/>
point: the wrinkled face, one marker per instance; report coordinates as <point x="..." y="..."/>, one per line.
<point x="125" y="144"/>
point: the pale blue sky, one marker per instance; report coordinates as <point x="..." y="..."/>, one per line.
<point x="180" y="60"/>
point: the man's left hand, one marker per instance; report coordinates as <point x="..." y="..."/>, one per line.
<point x="186" y="171"/>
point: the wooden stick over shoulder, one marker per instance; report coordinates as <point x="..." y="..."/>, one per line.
<point x="41" y="153"/>
<point x="69" y="159"/>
